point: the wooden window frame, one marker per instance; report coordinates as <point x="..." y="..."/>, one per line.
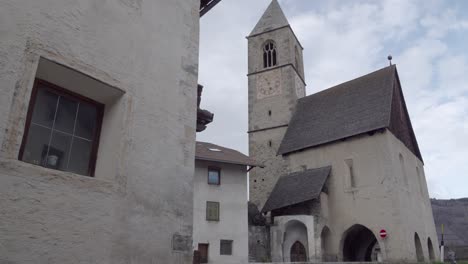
<point x="219" y="175"/>
<point x="207" y="215"/>
<point x="60" y="91"/>
<point x="226" y="241"/>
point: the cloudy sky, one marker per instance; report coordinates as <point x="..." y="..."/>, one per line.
<point x="344" y="40"/>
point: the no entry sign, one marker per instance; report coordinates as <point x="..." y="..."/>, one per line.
<point x="383" y="233"/>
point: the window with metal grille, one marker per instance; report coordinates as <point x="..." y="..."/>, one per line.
<point x="225" y="247"/>
<point x="212" y="211"/>
<point x="62" y="130"/>
<point x="269" y="54"/>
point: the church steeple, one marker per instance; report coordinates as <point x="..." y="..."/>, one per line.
<point x="273" y="18"/>
<point x="276" y="82"/>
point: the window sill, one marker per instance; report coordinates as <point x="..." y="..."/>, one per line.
<point x="18" y="168"/>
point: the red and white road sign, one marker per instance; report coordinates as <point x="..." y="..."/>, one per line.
<point x="383" y="233"/>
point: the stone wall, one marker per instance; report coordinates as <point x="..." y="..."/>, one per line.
<point x="259" y="243"/>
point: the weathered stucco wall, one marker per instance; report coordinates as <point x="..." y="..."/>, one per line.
<point x="259" y="243"/>
<point x="380" y="199"/>
<point x="142" y="197"/>
<point x="233" y="223"/>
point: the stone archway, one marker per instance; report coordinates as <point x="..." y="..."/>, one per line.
<point x="295" y="241"/>
<point x="360" y="244"/>
<point x="419" y="251"/>
<point x="325" y="238"/>
<point x="430" y="249"/>
<point x="298" y="252"/>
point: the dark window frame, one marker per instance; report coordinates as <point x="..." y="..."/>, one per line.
<point x="211" y="168"/>
<point x="218" y="211"/>
<point x="225" y="242"/>
<point x="60" y="91"/>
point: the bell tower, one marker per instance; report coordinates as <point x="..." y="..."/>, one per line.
<point x="276" y="81"/>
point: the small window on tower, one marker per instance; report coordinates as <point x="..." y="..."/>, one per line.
<point x="269" y="54"/>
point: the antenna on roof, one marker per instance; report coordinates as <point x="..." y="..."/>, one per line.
<point x="390" y="59"/>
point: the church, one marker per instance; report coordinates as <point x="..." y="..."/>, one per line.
<point x="343" y="177"/>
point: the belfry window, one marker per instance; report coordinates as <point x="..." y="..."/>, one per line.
<point x="269" y="54"/>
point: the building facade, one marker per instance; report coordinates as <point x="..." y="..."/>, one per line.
<point x="220" y="229"/>
<point x="342" y="166"/>
<point x="97" y="132"/>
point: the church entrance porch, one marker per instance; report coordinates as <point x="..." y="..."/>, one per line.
<point x="360" y="244"/>
<point x="292" y="238"/>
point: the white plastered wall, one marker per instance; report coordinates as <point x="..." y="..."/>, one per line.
<point x="232" y="225"/>
<point x="380" y="200"/>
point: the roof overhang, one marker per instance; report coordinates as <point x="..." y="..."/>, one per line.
<point x="250" y="164"/>
<point x="207" y="5"/>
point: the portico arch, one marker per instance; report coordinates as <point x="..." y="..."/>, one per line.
<point x="418" y="247"/>
<point x="430" y="249"/>
<point x="295" y="242"/>
<point x="325" y="238"/>
<point x="359" y="244"/>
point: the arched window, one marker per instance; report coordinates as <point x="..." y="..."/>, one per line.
<point x="403" y="170"/>
<point x="421" y="182"/>
<point x="351" y="177"/>
<point x="269" y="54"/>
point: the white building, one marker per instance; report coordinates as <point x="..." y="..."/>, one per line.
<point x="220" y="229"/>
<point x="98" y="103"/>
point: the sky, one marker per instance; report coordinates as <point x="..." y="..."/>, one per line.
<point x="343" y="40"/>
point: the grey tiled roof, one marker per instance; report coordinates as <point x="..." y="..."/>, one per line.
<point x="297" y="187"/>
<point x="212" y="152"/>
<point x="352" y="108"/>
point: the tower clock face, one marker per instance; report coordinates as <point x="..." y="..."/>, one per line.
<point x="268" y="84"/>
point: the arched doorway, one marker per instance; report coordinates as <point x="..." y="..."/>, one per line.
<point x="419" y="251"/>
<point x="298" y="252"/>
<point x="360" y="244"/>
<point x="295" y="242"/>
<point x="325" y="238"/>
<point x="430" y="249"/>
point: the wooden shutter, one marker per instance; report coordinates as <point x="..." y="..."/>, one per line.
<point x="212" y="211"/>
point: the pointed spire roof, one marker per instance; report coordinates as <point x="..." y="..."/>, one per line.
<point x="273" y="18"/>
